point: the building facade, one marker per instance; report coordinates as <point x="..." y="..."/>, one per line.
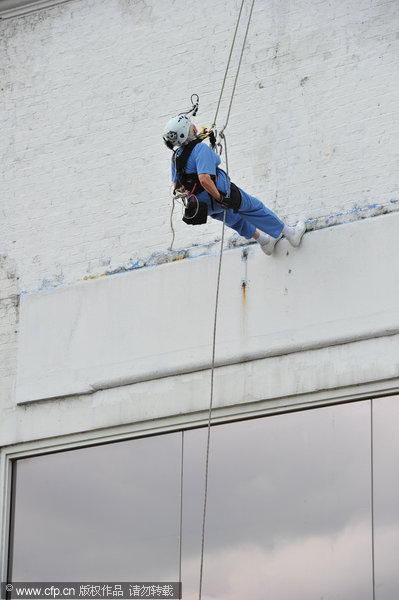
<point x="107" y="315"/>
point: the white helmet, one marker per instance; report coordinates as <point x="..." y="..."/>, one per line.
<point x="177" y="131"/>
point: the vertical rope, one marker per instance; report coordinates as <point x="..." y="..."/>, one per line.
<point x="372" y="494"/>
<point x="239" y="66"/>
<point x="218" y="285"/>
<point x="181" y="506"/>
<point x="228" y="65"/>
<point x="210" y="407"/>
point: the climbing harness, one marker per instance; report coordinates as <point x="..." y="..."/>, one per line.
<point x="190" y="181"/>
<point x="196" y="211"/>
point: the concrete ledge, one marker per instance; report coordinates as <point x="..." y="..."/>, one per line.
<point x="340" y="286"/>
<point x="295" y="381"/>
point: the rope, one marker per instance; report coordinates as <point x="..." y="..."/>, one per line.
<point x="239" y="66"/>
<point x="171" y="224"/>
<point x="181" y="505"/>
<point x="228" y="65"/>
<point x="175" y="196"/>
<point x="210" y="406"/>
<point x="218" y="280"/>
<point x="372" y="494"/>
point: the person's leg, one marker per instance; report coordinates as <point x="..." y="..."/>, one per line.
<point x="238" y="223"/>
<point x="255" y="212"/>
<point x="254" y="220"/>
<point x="247" y="230"/>
<point x="267" y="222"/>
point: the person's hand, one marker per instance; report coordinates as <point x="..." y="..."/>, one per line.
<point x="224" y="201"/>
<point x="180" y="190"/>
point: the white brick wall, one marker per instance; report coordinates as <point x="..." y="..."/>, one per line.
<point x="9" y="311"/>
<point x="86" y="88"/>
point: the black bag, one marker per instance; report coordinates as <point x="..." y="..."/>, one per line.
<point x="196" y="212"/>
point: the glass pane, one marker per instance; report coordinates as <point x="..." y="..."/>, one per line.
<point x="289" y="507"/>
<point x="103" y="513"/>
<point x="386" y="497"/>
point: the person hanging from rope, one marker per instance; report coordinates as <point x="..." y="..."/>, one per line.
<point x="195" y="170"/>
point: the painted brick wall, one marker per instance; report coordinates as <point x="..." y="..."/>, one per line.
<point x="9" y="312"/>
<point x="86" y="88"/>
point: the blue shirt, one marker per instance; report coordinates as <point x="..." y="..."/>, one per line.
<point x="204" y="160"/>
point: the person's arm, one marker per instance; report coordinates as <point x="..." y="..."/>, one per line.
<point x="208" y="185"/>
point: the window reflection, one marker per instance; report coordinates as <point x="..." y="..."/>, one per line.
<point x="288" y="507"/>
<point x="103" y="513"/>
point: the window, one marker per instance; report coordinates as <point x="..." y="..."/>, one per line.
<point x="289" y="507"/>
<point x="290" y="511"/>
<point x="100" y="513"/>
<point x="386" y="496"/>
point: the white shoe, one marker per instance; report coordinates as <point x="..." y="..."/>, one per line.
<point x="268" y="246"/>
<point x="296" y="239"/>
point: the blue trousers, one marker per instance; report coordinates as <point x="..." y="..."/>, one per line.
<point x="253" y="214"/>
